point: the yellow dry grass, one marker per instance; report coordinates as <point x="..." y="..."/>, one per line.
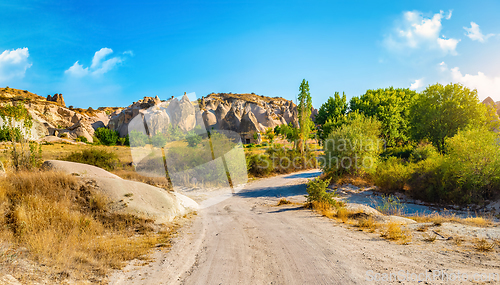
<point x="66" y="226"/>
<point x="393" y="231"/>
<point x="368" y="224"/>
<point x="438" y="220"/>
<point x="483" y="245"/>
<point x="283" y="201"/>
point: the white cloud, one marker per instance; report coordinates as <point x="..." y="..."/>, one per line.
<point x="487" y="86"/>
<point x="474" y="33"/>
<point x="77" y="70"/>
<point x="416" y="31"/>
<point x="14" y="63"/>
<point x="99" y="65"/>
<point x="100" y="55"/>
<point x="448" y="45"/>
<point x="417" y="84"/>
<point x="449" y="15"/>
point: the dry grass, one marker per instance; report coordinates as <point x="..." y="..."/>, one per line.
<point x="342" y="214"/>
<point x="438" y="220"/>
<point x="477" y="221"/>
<point x="483" y="245"/>
<point x="161" y="182"/>
<point x="354" y="180"/>
<point x="393" y="231"/>
<point x="323" y="208"/>
<point x="283" y="201"/>
<point x="65" y="225"/>
<point x="368" y="224"/>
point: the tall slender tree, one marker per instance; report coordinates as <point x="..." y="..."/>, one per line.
<point x="304" y="109"/>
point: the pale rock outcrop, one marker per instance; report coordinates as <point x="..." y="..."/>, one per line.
<point x="157" y="120"/>
<point x="128" y="197"/>
<point x="220" y="113"/>
<point x="249" y="123"/>
<point x="210" y="119"/>
<point x="231" y="121"/>
<point x="182" y="113"/>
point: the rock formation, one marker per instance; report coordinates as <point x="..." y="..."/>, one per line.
<point x="245" y="114"/>
<point x="58" y="98"/>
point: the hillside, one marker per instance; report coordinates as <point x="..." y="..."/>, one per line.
<point x="245" y="114"/>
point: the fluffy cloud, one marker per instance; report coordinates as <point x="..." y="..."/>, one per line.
<point x="99" y="66"/>
<point x="417" y="84"/>
<point x="474" y="33"/>
<point x="14" y="63"/>
<point x="415" y="31"/>
<point x="487" y="86"/>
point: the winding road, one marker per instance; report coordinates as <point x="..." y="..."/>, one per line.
<point x="247" y="239"/>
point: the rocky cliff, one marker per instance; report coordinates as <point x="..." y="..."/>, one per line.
<point x="242" y="113"/>
<point x="246" y="113"/>
<point x="52" y="118"/>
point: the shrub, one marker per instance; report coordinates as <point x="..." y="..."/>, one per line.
<point x="96" y="157"/>
<point x="138" y="139"/>
<point x="159" y="140"/>
<point x="259" y="165"/>
<point x="353" y="148"/>
<point x="393" y="174"/>
<point x="193" y="139"/>
<point x="107" y="136"/>
<point x="469" y="172"/>
<point x="65" y="135"/>
<point x="423" y="152"/>
<point x="316" y="191"/>
<point x="471" y="166"/>
<point x="403" y="152"/>
<point x="81" y="139"/>
<point x="123" y="141"/>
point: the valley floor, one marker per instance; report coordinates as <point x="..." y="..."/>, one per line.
<point x="247" y="239"/>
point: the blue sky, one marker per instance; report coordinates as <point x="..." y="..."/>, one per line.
<point x="111" y="53"/>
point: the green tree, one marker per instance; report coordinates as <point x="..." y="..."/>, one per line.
<point x="440" y="111"/>
<point x="332" y="114"/>
<point x="106" y="136"/>
<point x="270" y="135"/>
<point x="352" y="148"/>
<point x="391" y="107"/>
<point x="304" y="110"/>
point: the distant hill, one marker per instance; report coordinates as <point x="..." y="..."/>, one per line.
<point x="496" y="105"/>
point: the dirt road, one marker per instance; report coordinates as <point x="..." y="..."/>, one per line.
<point x="246" y="239"/>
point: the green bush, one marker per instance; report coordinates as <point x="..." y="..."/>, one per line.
<point x="469" y="172"/>
<point x="403" y="152"/>
<point x="423" y="152"/>
<point x="138" y="139"/>
<point x="81" y="139"/>
<point x="106" y="136"/>
<point x="159" y="140"/>
<point x="352" y="148"/>
<point x="193" y="139"/>
<point x="97" y="157"/>
<point x="393" y="174"/>
<point x="316" y="191"/>
<point x="123" y="141"/>
<point x="259" y="165"/>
